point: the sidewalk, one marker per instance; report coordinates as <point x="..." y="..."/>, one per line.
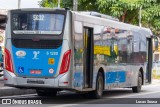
<point x="9" y="91"/>
<point x="156" y="82"/>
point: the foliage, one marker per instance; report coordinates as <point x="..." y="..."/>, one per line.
<point x="67" y="4"/>
<point x="54" y="3"/>
<point x="126" y="10"/>
<point x="87" y="5"/>
<point x="49" y="3"/>
<point x="90" y="5"/>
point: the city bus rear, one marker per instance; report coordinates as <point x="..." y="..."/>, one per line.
<point x="36" y="51"/>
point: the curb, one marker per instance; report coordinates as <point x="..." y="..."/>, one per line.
<point x="10" y="91"/>
<point x="156" y="81"/>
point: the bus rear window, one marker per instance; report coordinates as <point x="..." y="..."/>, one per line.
<point x="38" y="23"/>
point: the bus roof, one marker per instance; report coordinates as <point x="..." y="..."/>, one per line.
<point x="111" y="23"/>
<point x="38" y="9"/>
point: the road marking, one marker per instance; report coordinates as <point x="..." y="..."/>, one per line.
<point x="15" y="96"/>
<point x="124" y="96"/>
<point x="65" y="105"/>
<point x="104" y="98"/>
<point x="136" y="94"/>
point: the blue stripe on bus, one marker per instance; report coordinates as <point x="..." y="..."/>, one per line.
<point x="111" y="77"/>
<point x="115" y="77"/>
<point x="29" y="64"/>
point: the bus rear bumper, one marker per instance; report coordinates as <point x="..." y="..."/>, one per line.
<point x="33" y="83"/>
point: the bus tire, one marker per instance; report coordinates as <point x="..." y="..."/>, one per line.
<point x="99" y="87"/>
<point x="46" y="93"/>
<point x="137" y="89"/>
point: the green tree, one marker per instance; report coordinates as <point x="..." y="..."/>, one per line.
<point x="88" y="5"/>
<point x="83" y="5"/>
<point x="49" y="3"/>
<point x="67" y="4"/>
<point x="151" y="18"/>
<point x="128" y="11"/>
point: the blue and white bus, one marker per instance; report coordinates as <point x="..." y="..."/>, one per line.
<point x="57" y="49"/>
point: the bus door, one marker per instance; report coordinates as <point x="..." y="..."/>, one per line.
<point x="149" y="61"/>
<point x="88" y="57"/>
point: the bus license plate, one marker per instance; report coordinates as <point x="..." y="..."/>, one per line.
<point x="35" y="71"/>
<point x="30" y="81"/>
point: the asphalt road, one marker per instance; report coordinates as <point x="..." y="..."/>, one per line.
<point x="1" y="83"/>
<point x="116" y="97"/>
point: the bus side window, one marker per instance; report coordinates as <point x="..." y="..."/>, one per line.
<point x="122" y="49"/>
<point x="114" y="50"/>
<point x="129" y="48"/>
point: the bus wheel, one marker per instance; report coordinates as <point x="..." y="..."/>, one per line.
<point x="99" y="87"/>
<point x="46" y="93"/>
<point x="137" y="89"/>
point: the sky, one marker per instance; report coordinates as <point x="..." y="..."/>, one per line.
<point x="13" y="4"/>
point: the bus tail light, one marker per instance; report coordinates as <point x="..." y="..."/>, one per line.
<point x="8" y="61"/>
<point x="65" y="62"/>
